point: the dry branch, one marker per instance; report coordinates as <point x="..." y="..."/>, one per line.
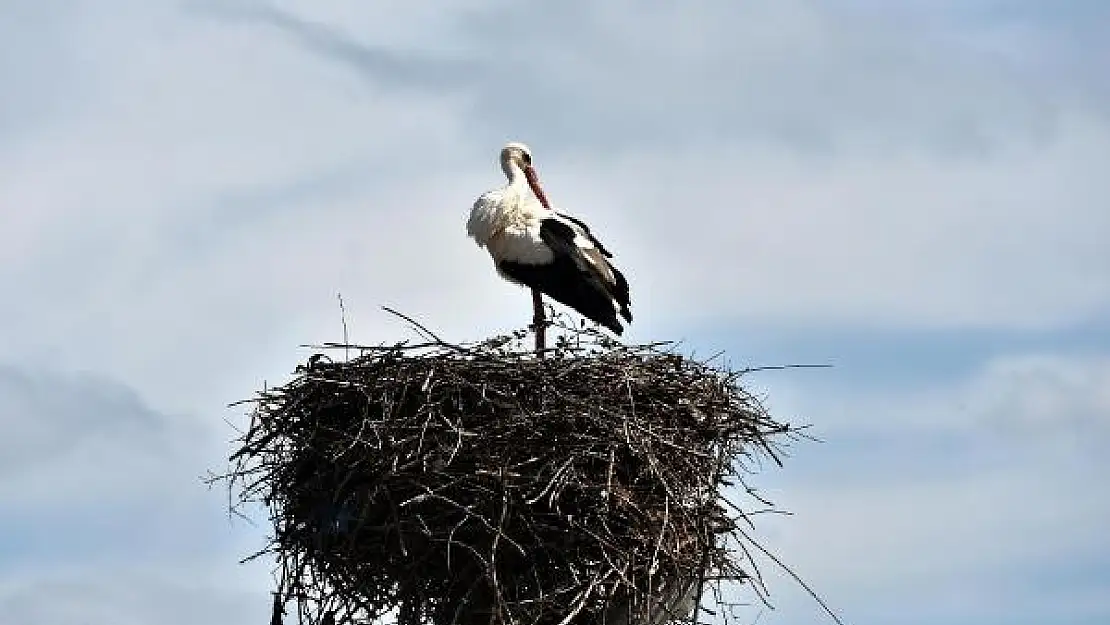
<point x="439" y="484"/>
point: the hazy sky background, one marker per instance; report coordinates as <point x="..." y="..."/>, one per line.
<point x="915" y="191"/>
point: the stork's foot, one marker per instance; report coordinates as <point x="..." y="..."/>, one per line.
<point x="539" y="324"/>
<point x="539" y="327"/>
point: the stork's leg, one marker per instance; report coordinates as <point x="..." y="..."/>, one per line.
<point x="539" y="323"/>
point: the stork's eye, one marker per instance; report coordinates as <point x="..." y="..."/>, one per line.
<point x="526" y="158"/>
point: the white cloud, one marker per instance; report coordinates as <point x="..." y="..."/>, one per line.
<point x="83" y="444"/>
<point x="964" y="531"/>
<point x="895" y="241"/>
<point x="182" y="195"/>
<point x="133" y="595"/>
<point x="977" y="546"/>
<point x="217" y="183"/>
<point x="1034" y="398"/>
<point x="130" y="220"/>
<point x="1043" y="397"/>
<point x="103" y="513"/>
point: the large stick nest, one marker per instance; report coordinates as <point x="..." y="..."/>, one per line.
<point x="438" y="484"/>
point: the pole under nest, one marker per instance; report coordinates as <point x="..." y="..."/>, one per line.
<point x="539" y="323"/>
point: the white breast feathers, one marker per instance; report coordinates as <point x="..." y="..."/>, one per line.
<point x="508" y="225"/>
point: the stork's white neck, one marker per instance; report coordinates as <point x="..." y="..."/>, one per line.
<point x="514" y="173"/>
<point x="497" y="209"/>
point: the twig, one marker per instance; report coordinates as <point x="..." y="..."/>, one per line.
<point x="747" y="370"/>
<point x="794" y="576"/>
<point x="425" y="331"/>
<point x="343" y="317"/>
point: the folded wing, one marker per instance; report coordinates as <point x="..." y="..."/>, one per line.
<point x="579" y="275"/>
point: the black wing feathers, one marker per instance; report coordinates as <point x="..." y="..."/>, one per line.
<point x="569" y="279"/>
<point x="589" y="235"/>
<point x="620" y="293"/>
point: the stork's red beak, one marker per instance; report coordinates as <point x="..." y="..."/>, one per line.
<point x="534" y="182"/>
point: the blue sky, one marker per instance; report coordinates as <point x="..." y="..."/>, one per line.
<point x="914" y="192"/>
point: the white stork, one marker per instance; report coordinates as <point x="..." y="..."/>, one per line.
<point x="548" y="251"/>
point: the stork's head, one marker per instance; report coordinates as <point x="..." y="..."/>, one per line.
<point x="519" y="155"/>
<point x="516" y="153"/>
